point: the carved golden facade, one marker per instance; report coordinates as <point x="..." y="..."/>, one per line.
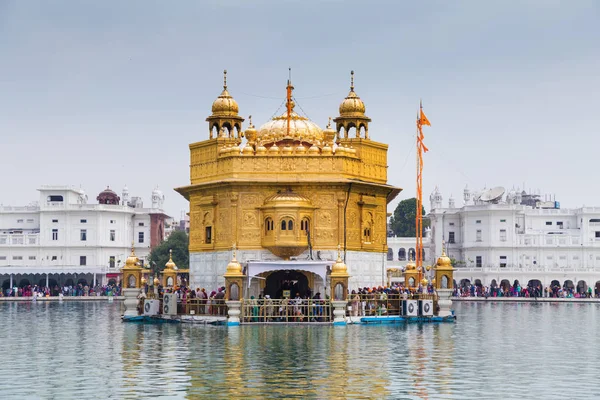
<point x="327" y="189"/>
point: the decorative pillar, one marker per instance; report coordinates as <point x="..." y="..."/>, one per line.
<point x="131" y="279"/>
<point x="444" y="283"/>
<point x="411" y="276"/>
<point x="94" y="279"/>
<point x="339" y="289"/>
<point x="234" y="283"/>
<point x="170" y="272"/>
<point x="11" y="281"/>
<point x="47" y="280"/>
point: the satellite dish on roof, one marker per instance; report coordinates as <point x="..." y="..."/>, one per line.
<point x="492" y="195"/>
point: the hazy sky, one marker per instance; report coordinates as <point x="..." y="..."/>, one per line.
<point x="97" y="93"/>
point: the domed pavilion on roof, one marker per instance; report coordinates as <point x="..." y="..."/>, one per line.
<point x="285" y="196"/>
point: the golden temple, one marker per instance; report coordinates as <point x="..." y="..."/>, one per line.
<point x="286" y="195"/>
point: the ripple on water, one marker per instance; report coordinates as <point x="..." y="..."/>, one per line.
<point x="77" y="350"/>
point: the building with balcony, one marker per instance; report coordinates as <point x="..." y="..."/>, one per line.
<point x="497" y="237"/>
<point x="63" y="240"/>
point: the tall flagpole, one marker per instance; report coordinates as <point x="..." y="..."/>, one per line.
<point x="421" y="120"/>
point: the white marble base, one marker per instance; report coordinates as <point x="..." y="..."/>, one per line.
<point x="207" y="268"/>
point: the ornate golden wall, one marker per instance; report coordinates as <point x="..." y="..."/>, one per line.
<point x="233" y="212"/>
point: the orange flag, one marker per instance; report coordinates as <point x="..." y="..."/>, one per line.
<point x="421" y="138"/>
<point x="423" y="120"/>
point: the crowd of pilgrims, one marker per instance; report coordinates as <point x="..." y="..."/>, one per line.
<point x="516" y="290"/>
<point x="308" y="307"/>
<point x="67" y="290"/>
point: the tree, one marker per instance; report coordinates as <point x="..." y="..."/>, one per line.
<point x="178" y="241"/>
<point x="402" y="222"/>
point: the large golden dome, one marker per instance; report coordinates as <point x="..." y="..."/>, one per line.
<point x="302" y="130"/>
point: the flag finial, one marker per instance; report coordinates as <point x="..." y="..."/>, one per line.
<point x="352" y="80"/>
<point x="224" y="79"/>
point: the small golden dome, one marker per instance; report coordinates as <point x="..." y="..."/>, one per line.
<point x="286" y="197"/>
<point x="341" y="150"/>
<point x="424" y="282"/>
<point x="274" y="149"/>
<point x="235" y="150"/>
<point x="329" y="133"/>
<point x="314" y="149"/>
<point x="444" y="261"/>
<point x="250" y="133"/>
<point x="261" y="149"/>
<point x="339" y="268"/>
<point x="248" y="150"/>
<point x="170" y="264"/>
<point x="225" y="105"/>
<point x="144" y="281"/>
<point x="132" y="261"/>
<point x="234" y="267"/>
<point x="301" y="150"/>
<point x="287" y="150"/>
<point x="411" y="266"/>
<point x="156" y="282"/>
<point x="352" y="106"/>
<point x="326" y="150"/>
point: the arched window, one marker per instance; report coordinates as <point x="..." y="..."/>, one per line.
<point x="268" y="226"/>
<point x="390" y="254"/>
<point x="412" y="254"/>
<point x="305" y="225"/>
<point x="290" y="225"/>
<point x="402" y="254"/>
<point x="283" y="225"/>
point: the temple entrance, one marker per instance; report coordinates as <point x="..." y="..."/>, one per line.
<point x="280" y="281"/>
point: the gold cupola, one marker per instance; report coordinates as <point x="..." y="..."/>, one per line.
<point x="290" y="128"/>
<point x="339" y="278"/>
<point x="352" y="115"/>
<point x="444" y="272"/>
<point x="170" y="272"/>
<point x="225" y="119"/>
<point x="131" y="273"/>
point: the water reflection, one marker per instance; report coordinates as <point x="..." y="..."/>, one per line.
<point x="76" y="350"/>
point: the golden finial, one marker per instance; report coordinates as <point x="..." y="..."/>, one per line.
<point x="250" y="121"/>
<point x="170" y="254"/>
<point x="224" y="79"/>
<point x="233" y="249"/>
<point x="132" y="248"/>
<point x="352" y="81"/>
<point x="443" y="248"/>
<point x="329" y="123"/>
<point x="339" y="257"/>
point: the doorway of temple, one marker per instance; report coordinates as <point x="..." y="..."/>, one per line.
<point x="280" y="281"/>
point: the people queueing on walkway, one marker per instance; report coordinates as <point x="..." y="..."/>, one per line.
<point x="533" y="290"/>
<point x="81" y="290"/>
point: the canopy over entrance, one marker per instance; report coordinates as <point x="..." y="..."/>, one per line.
<point x="256" y="268"/>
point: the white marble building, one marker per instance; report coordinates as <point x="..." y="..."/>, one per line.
<point x="64" y="240"/>
<point x="500" y="237"/>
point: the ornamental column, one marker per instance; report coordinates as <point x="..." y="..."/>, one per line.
<point x="234" y="284"/>
<point x="131" y="279"/>
<point x="444" y="283"/>
<point x="339" y="289"/>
